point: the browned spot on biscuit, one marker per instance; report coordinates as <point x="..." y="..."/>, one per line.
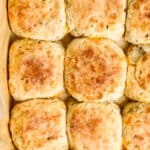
<point x="35" y="71"/>
<point x="142" y="9"/>
<point x="112" y="10"/>
<point x="148" y="109"/>
<point x="84" y="122"/>
<point x="138" y="137"/>
<point x="88" y="53"/>
<point x="101" y="25"/>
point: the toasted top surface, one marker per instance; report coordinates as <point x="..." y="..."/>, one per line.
<point x="142" y="9"/>
<point x="94" y="126"/>
<point x="138" y="21"/>
<point x="136" y="132"/>
<point x="38" y="19"/>
<point x="38" y="124"/>
<point x="138" y="76"/>
<point x="35" y="66"/>
<point x="87" y="17"/>
<point x="92" y="67"/>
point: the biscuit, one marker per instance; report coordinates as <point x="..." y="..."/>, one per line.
<point x="39" y="124"/>
<point x="94" y="126"/>
<point x="138" y="75"/>
<point x="95" y="70"/>
<point x="138" y="22"/>
<point x="38" y="19"/>
<point x="36" y="69"/>
<point x="98" y="18"/>
<point x="136" y="131"/>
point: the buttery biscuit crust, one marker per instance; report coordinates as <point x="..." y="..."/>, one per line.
<point x="96" y="18"/>
<point x="136" y="132"/>
<point x="91" y="69"/>
<point x="138" y="75"/>
<point x="39" y="124"/>
<point x="94" y="126"/>
<point x="36" y="69"/>
<point x="38" y="19"/>
<point x="138" y="22"/>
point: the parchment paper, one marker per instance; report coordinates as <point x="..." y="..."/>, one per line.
<point x="5" y="140"/>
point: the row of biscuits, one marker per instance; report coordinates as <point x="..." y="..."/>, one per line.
<point x="89" y="70"/>
<point x="53" y="19"/>
<point x="44" y="124"/>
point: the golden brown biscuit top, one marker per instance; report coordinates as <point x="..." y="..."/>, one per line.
<point x="89" y="124"/>
<point x="36" y="123"/>
<point x="86" y="122"/>
<point x="136" y="119"/>
<point x="142" y="11"/>
<point x="34" y="71"/>
<point x="36" y="64"/>
<point x="98" y="12"/>
<point x="93" y="70"/>
<point x="142" y="73"/>
<point x="31" y="15"/>
<point x="140" y="125"/>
